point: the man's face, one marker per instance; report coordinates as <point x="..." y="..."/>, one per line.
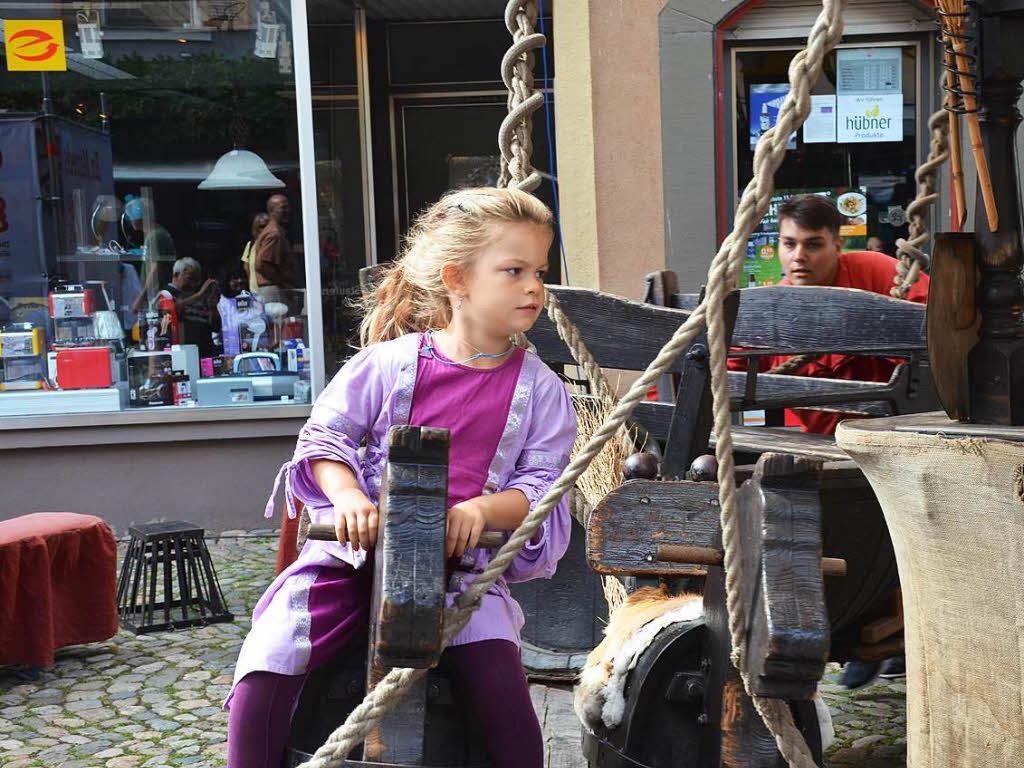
<point x="189" y="279"/>
<point x="808" y="256"/>
<point x="280" y="209"/>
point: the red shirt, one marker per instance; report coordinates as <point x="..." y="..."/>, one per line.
<point x="868" y="271"/>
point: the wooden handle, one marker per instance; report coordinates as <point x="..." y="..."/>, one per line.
<point x="956" y="160"/>
<point x="974" y="128"/>
<point x="680" y="553"/>
<point x="322" y="532"/>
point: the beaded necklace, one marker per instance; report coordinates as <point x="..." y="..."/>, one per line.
<point x="429" y="349"/>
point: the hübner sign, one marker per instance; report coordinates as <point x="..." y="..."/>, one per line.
<point x="869" y="117"/>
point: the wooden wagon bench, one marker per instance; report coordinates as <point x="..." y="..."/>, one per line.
<point x="805" y="499"/>
<point x="638" y="530"/>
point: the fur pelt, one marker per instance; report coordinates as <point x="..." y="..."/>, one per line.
<point x="600" y="694"/>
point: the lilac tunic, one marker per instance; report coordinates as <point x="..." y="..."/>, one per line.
<point x="372" y="392"/>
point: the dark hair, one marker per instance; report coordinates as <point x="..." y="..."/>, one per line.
<point x="811" y="212"/>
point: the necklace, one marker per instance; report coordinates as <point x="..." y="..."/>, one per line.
<point x="429" y="349"/>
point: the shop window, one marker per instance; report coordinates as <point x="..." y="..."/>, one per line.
<point x="133" y="274"/>
<point x="859" y="145"/>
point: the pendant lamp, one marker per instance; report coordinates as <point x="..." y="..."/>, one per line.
<point x="240" y="169"/>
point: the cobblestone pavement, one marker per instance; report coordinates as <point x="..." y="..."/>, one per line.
<point x="153" y="701"/>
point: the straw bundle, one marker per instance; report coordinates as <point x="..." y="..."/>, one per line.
<point x="605" y="472"/>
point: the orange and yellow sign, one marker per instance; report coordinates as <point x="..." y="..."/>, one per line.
<point x="35" y="46"/>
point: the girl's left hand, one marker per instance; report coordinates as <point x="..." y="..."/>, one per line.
<point x="465" y="524"/>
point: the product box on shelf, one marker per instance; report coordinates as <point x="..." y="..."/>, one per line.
<point x="72" y="301"/>
<point x="225" y="390"/>
<point x="86" y="368"/>
<point x="149" y="374"/>
<point x="21" y="340"/>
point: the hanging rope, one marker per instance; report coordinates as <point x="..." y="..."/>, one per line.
<point x="516" y="144"/>
<point x="515" y="137"/>
<point x="911" y="258"/>
<point x="804" y="70"/>
<point x="723" y="274"/>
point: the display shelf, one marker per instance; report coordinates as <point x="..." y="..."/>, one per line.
<point x="106" y="256"/>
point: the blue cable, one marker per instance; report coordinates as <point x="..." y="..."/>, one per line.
<point x="551" y="147"/>
<point x="551" y="153"/>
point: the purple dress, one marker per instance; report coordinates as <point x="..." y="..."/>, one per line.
<point x="512" y="427"/>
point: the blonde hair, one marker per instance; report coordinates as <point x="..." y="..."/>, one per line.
<point x="410" y="296"/>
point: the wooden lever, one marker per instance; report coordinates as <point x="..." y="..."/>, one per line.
<point x="488" y="539"/>
<point x="679" y="553"/>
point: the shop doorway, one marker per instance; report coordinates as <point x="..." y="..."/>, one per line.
<point x="407" y="105"/>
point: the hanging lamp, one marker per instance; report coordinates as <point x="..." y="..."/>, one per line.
<point x="240" y="169"/>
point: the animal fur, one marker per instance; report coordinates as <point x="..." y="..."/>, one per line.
<point x="600" y="695"/>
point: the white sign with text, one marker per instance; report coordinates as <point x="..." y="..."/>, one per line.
<point x="869" y="117"/>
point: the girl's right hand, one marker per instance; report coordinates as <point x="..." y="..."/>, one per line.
<point x="355" y="518"/>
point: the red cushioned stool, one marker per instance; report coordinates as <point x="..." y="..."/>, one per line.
<point x="58" y="585"/>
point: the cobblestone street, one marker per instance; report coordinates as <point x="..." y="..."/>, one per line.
<point x="154" y="700"/>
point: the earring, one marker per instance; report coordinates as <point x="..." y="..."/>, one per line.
<point x="459" y="305"/>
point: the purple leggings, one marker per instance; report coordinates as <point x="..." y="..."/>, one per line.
<point x="489" y="675"/>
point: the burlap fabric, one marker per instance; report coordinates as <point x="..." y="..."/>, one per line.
<point x="955" y="510"/>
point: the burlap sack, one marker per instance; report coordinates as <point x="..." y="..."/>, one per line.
<point x="955" y="510"/>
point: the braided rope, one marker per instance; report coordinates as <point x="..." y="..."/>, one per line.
<point x="911" y="258"/>
<point x="791" y="366"/>
<point x="723" y="274"/>
<point x="515" y="137"/>
<point x="804" y="71"/>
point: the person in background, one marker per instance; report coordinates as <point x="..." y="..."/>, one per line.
<point x="810" y="249"/>
<point x="276" y="274"/>
<point x="875" y="244"/>
<point x="243" y="325"/>
<point x="190" y="307"/>
<point x="130" y="293"/>
<point x="156" y="240"/>
<point x="259" y="222"/>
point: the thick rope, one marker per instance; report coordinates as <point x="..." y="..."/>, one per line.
<point x="515" y="137"/>
<point x="804" y="71"/>
<point x="793" y="364"/>
<point x="515" y="140"/>
<point x="911" y="258"/>
<point x="723" y="274"/>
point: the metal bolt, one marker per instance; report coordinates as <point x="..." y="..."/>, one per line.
<point x="644" y="500"/>
<point x="702" y="719"/>
<point x="433" y="691"/>
<point x="649" y="557"/>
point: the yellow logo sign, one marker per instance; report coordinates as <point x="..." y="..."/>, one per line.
<point x="872" y="112"/>
<point x="35" y="46"/>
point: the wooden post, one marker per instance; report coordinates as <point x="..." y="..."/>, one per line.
<point x="409" y="584"/>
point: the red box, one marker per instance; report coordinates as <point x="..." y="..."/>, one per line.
<point x="84" y="368"/>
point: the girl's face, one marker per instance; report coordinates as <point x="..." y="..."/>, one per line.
<point x="504" y="288"/>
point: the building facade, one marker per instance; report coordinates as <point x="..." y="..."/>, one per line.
<point x="175" y="123"/>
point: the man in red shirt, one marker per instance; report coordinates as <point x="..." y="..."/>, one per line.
<point x="810" y="249"/>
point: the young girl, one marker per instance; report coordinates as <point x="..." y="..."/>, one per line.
<point x="437" y="352"/>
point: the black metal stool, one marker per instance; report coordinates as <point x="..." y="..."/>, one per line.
<point x="178" y="547"/>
